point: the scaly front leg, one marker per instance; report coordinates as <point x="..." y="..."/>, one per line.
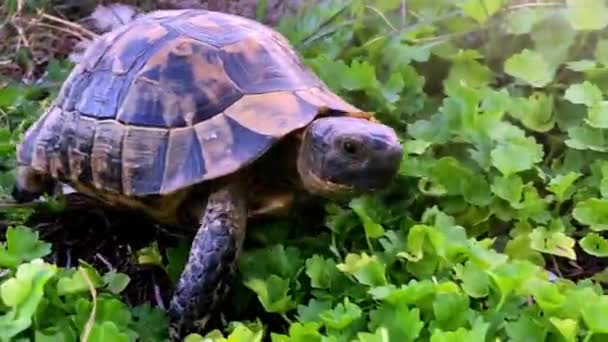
<point x="212" y="261"/>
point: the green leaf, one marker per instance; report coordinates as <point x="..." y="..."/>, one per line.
<point x="601" y="51"/>
<point x="592" y="212"/>
<point x="528" y="153"/>
<point x="587" y="138"/>
<point x="547" y="295"/>
<point x="451" y="311"/>
<point x="475" y="282"/>
<point x="521" y="21"/>
<point x="368" y="270"/>
<point x="556" y="243"/>
<point x="561" y="184"/>
<point x="567" y="327"/>
<point x="480" y="10"/>
<point x="535" y="112"/>
<point x="585" y="93"/>
<point x="273" y="260"/>
<point x="595" y="315"/>
<point x="272" y="293"/>
<point x="477" y="333"/>
<point x="597" y="115"/>
<point x="76" y="282"/>
<point x="586" y="14"/>
<point x="341" y="316"/>
<point x="530" y="67"/>
<point x="14" y="291"/>
<point x="526" y="328"/>
<point x="151" y="324"/>
<point x="320" y="271"/>
<point x="379" y="335"/>
<point x="176" y="259"/>
<point x="36" y="273"/>
<point x="150" y="255"/>
<point x="311" y="311"/>
<point x="299" y="332"/>
<point x="594" y="244"/>
<point x="372" y="229"/>
<point x="402" y="323"/>
<point x="106" y="331"/>
<point x="116" y="282"/>
<point x="243" y="333"/>
<point x="22" y="245"/>
<point x="508" y="188"/>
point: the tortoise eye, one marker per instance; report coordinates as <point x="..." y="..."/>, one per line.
<point x="350" y="147"/>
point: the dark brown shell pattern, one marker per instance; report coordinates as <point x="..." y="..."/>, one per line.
<point x="173" y="99"/>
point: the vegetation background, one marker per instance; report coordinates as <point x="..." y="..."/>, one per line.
<point x="493" y="231"/>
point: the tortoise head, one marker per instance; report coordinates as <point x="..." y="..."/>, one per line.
<point x="344" y="156"/>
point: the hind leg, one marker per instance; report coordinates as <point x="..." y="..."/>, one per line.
<point x="31" y="184"/>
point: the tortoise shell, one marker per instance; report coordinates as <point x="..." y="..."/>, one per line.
<point x="173" y="99"/>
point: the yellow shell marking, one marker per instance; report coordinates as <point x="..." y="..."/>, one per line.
<point x="271" y="114"/>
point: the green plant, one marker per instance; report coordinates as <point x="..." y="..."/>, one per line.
<point x="502" y="194"/>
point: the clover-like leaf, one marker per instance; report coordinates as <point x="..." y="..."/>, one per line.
<point x="475" y="282"/>
<point x="586" y="14"/>
<point x="567" y="327"/>
<point x="528" y="153"/>
<point x="76" y="282"/>
<point x="530" y="67"/>
<point x="556" y="243"/>
<point x="594" y="244"/>
<point x="22" y="244"/>
<point x="587" y="138"/>
<point x="368" y="270"/>
<point x="36" y="273"/>
<point x="480" y="10"/>
<point x="341" y="316"/>
<point x="273" y="293"/>
<point x="372" y="228"/>
<point x="595" y="315"/>
<point x="116" y="282"/>
<point x="508" y="188"/>
<point x="106" y="331"/>
<point x="150" y="323"/>
<point x="597" y="115"/>
<point x="311" y="311"/>
<point x="526" y="327"/>
<point x="592" y="212"/>
<point x="561" y="184"/>
<point x="585" y="93"/>
<point x="402" y="323"/>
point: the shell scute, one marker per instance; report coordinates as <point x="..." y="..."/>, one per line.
<point x="101" y="95"/>
<point x="25" y="150"/>
<point x="207" y="29"/>
<point x="257" y="65"/>
<point x="182" y="84"/>
<point x="216" y="140"/>
<point x="79" y="150"/>
<point x="49" y="141"/>
<point x="143" y="159"/>
<point x="132" y="46"/>
<point x="274" y="114"/>
<point x="185" y="162"/>
<point x="106" y="155"/>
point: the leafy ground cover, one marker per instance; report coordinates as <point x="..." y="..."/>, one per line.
<point x="493" y="231"/>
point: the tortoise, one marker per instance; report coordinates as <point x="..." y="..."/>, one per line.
<point x="203" y="119"/>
